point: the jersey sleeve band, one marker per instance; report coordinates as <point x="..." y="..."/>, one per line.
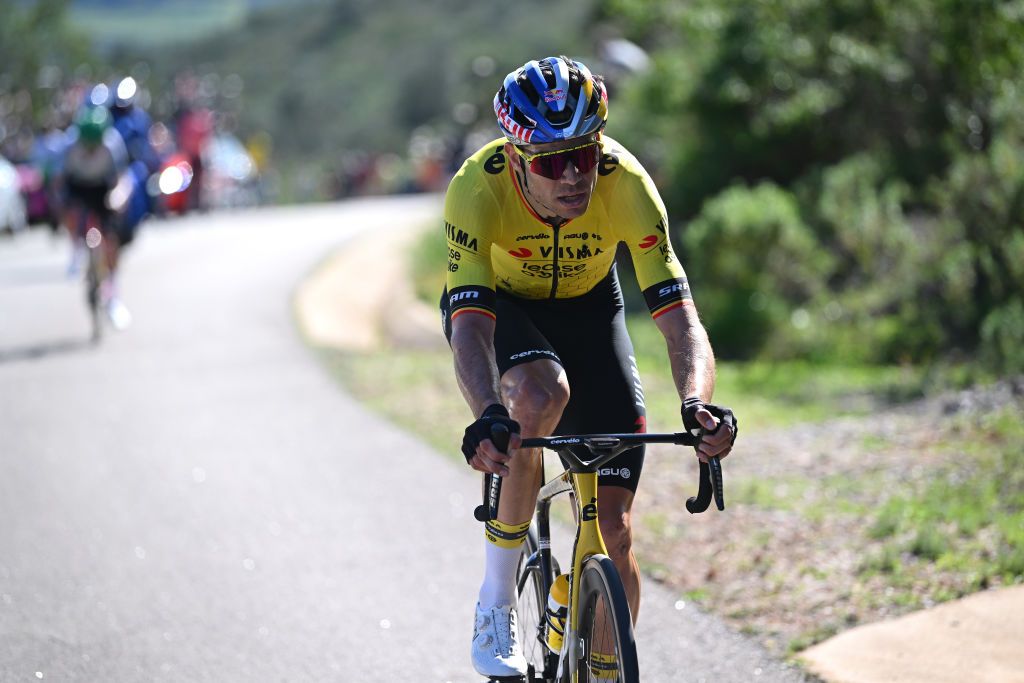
<point x="471" y="298"/>
<point x="667" y="295"/>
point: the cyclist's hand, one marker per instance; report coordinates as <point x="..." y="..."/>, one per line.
<point x="716" y="424"/>
<point x="480" y="451"/>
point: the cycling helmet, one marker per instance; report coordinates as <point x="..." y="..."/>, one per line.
<point x="92" y="123"/>
<point x="551" y="99"/>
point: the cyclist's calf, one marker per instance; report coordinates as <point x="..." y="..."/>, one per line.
<point x="614" y="505"/>
<point x="616" y="527"/>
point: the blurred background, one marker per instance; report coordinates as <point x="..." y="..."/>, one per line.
<point x="858" y="166"/>
<point x="845" y="186"/>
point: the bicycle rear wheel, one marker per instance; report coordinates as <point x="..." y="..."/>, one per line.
<point x="531" y="603"/>
<point x="606" y="627"/>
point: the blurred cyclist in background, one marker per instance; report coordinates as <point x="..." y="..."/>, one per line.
<point x="133" y="123"/>
<point x="93" y="166"/>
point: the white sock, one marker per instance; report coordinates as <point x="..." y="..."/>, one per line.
<point x="502" y="549"/>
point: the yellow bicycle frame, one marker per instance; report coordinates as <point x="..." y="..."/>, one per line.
<point x="588" y="542"/>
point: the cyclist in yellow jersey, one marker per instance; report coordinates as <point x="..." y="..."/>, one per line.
<point x="534" y="316"/>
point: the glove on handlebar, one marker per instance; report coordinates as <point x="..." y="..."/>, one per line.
<point x="494" y="414"/>
<point x="725" y="416"/>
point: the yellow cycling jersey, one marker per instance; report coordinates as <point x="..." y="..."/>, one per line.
<point x="495" y="239"/>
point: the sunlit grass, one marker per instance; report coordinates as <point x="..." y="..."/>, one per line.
<point x="775" y="393"/>
<point x="968" y="516"/>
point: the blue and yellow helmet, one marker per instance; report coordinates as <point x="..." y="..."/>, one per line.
<point x="548" y="100"/>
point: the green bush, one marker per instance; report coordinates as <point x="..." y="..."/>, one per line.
<point x="753" y="262"/>
<point x="895" y="132"/>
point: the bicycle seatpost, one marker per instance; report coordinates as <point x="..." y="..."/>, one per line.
<point x="488" y="511"/>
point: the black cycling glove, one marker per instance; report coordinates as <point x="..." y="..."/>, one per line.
<point x="689" y="412"/>
<point x="494" y="414"/>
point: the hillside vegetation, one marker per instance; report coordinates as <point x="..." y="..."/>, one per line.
<point x="846" y="178"/>
<point x="326" y="77"/>
<point x="845" y="181"/>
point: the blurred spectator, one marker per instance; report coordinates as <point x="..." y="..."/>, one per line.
<point x="12" y="206"/>
<point x="193" y="123"/>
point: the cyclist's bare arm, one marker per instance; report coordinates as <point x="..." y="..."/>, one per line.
<point x="693" y="370"/>
<point x="477" y="373"/>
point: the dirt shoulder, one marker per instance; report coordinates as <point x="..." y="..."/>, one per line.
<point x="356" y="301"/>
<point x="789" y="575"/>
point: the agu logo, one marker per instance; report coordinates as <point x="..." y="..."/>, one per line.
<point x="615" y="472"/>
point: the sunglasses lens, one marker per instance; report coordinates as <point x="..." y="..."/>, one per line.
<point x="550" y="166"/>
<point x="553" y="165"/>
<point x="586" y="158"/>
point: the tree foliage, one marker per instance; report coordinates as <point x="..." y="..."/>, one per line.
<point x="894" y="128"/>
<point x="351" y="74"/>
<point x="33" y="36"/>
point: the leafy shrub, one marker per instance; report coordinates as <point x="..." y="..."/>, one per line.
<point x="897" y="129"/>
<point x="753" y="262"/>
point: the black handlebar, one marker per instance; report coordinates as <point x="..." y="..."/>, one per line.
<point x="492" y="482"/>
<point x="604" y="447"/>
<point x="710" y="483"/>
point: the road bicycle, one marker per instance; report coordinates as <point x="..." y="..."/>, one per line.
<point x="95" y="233"/>
<point x="90" y="231"/>
<point x="597" y="642"/>
<point x="96" y="272"/>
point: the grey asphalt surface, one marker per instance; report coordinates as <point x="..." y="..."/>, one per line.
<point x="197" y="500"/>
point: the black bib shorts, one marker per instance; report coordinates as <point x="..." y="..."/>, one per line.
<point x="587" y="336"/>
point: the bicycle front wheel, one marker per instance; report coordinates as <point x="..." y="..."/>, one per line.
<point x="531" y="603"/>
<point x="606" y="627"/>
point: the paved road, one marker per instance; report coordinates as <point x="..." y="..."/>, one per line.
<point x="196" y="500"/>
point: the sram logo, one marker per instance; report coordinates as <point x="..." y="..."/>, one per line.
<point x="463" y="295"/>
<point x="672" y="289"/>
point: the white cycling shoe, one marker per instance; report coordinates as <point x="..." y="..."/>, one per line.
<point x="496" y="652"/>
<point x="120" y="316"/>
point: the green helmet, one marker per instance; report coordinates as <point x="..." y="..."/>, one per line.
<point x="92" y="123"/>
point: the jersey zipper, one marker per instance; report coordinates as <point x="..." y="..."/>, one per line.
<point x="554" y="264"/>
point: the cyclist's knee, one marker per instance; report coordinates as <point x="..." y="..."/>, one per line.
<point x="536" y="399"/>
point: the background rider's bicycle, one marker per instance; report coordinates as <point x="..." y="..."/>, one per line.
<point x="591" y="637"/>
<point x="89" y="228"/>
